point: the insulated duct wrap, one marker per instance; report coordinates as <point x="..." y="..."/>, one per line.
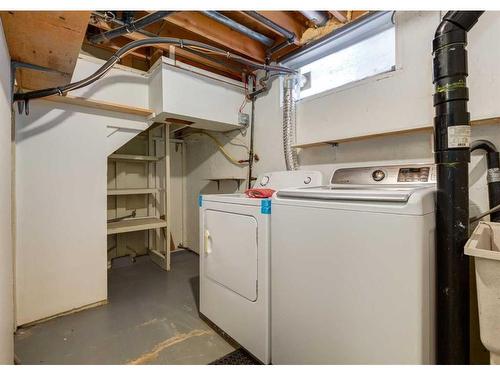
<point x="289" y="122"/>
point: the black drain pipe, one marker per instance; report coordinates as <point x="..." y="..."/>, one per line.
<point x="452" y="155"/>
<point x="493" y="174"/>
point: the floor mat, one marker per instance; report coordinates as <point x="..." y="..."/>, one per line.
<point x="238" y="357"/>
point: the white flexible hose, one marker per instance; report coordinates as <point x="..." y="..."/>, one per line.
<point x="289" y="122"/>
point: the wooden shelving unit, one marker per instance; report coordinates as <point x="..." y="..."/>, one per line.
<point x="425" y="129"/>
<point x="134" y="157"/>
<point x="132" y="225"/>
<point x="132" y="191"/>
<point x="151" y="203"/>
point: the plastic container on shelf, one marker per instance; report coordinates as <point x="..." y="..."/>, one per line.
<point x="484" y="246"/>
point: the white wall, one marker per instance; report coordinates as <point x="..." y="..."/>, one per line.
<point x="129" y="86"/>
<point x="61" y="158"/>
<point x="6" y="254"/>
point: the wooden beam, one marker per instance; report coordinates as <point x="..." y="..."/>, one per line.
<point x="340" y="15"/>
<point x="99" y="104"/>
<point x="113" y="47"/>
<point x="357" y="13"/>
<point x="48" y="39"/>
<point x="216" y="32"/>
<point x="181" y="54"/>
<point x="157" y="54"/>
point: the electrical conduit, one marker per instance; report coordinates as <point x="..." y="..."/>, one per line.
<point x="289" y="122"/>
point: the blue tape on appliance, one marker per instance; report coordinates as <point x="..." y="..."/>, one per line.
<point x="265" y="206"/>
<point x="200" y="200"/>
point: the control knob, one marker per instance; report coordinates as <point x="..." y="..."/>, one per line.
<point x="264" y="181"/>
<point x="378" y="175"/>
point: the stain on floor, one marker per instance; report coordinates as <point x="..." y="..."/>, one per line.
<point x="151" y="318"/>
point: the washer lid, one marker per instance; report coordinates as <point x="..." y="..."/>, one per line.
<point x="386" y="194"/>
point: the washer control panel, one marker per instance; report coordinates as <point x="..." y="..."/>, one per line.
<point x="386" y="175"/>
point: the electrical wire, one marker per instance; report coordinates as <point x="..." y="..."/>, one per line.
<point x="126" y="49"/>
<point x="236" y="142"/>
<point x="245" y="97"/>
<point x="486" y="213"/>
<point x="220" y="146"/>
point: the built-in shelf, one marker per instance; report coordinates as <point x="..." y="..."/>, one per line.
<point x="132" y="191"/>
<point x="133" y="225"/>
<point x="480" y="122"/>
<point x="238" y="180"/>
<point x="99" y="104"/>
<point x="131" y="157"/>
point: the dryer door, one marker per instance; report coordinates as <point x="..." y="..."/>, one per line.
<point x="231" y="251"/>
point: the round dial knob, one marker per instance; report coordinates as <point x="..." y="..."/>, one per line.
<point x="307" y="180"/>
<point x="378" y="175"/>
<point x="264" y="181"/>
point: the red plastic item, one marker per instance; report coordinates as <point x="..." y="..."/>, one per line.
<point x="259" y="193"/>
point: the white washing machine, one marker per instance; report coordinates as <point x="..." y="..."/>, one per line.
<point x="234" y="260"/>
<point x="352" y="268"/>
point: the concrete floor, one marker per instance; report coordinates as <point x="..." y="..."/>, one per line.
<point x="151" y="318"/>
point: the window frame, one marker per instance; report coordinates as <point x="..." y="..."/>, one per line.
<point x="347" y="36"/>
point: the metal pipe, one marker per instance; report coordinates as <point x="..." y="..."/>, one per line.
<point x="452" y="155"/>
<point x="121" y="23"/>
<point x="493" y="173"/>
<point x="278" y="47"/>
<point x="483" y="144"/>
<point x="152" y="35"/>
<point x="266" y="21"/>
<point x="129" y="48"/>
<point x="130" y="27"/>
<point x="317" y="17"/>
<point x="222" y="19"/>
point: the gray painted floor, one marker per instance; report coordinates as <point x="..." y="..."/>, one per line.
<point x="151" y="318"/>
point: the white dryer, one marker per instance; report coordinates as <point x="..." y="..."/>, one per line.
<point x="234" y="260"/>
<point x="352" y="268"/>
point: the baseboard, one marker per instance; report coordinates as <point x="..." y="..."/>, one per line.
<point x="75" y="310"/>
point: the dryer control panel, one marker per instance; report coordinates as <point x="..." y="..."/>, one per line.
<point x="386" y="175"/>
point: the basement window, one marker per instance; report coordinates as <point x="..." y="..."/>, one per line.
<point x="365" y="49"/>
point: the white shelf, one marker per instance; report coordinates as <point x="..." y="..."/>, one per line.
<point x="238" y="180"/>
<point x="133" y="157"/>
<point x="428" y="128"/>
<point x="132" y="191"/>
<point x="99" y="104"/>
<point x="133" y="225"/>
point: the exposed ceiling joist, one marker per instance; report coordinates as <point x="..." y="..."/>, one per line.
<point x="48" y="39"/>
<point x="179" y="52"/>
<point x="53" y="40"/>
<point x="340" y="15"/>
<point x="218" y="33"/>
